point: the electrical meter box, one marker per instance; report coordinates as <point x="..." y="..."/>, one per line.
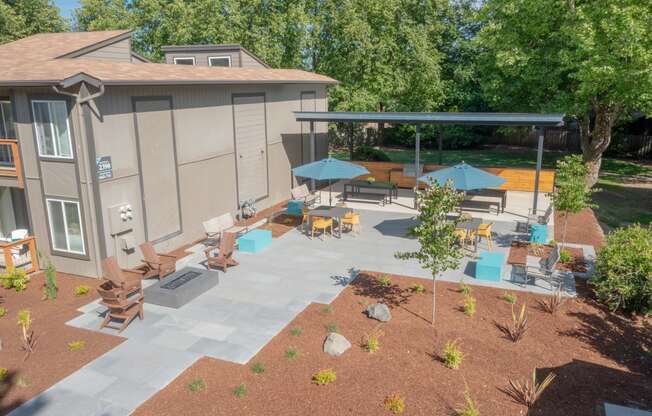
<point x="121" y="219"/>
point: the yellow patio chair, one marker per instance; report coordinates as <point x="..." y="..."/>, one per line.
<point x="462" y="235"/>
<point x="484" y="230"/>
<point x="304" y="219"/>
<point x="320" y="223"/>
<point x="352" y="220"/>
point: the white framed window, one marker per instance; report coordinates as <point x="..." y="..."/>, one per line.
<point x="52" y="128"/>
<point x="7" y="130"/>
<point x="190" y="60"/>
<point x="224" y="61"/>
<point x="66" y="226"/>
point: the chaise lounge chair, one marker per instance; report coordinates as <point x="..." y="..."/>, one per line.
<point x="127" y="280"/>
<point x="121" y="308"/>
<point x="534" y="218"/>
<point x="224" y="257"/>
<point x="216" y="227"/>
<point x="545" y="268"/>
<point x="158" y="265"/>
<point x="302" y="193"/>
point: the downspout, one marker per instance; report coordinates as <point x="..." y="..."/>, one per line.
<point x="87" y="169"/>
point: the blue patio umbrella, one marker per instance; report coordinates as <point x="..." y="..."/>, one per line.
<point x="329" y="169"/>
<point x="464" y="177"/>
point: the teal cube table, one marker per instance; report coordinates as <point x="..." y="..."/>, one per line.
<point x="538" y="233"/>
<point x="490" y="266"/>
<point x="295" y="208"/>
<point x="255" y="241"/>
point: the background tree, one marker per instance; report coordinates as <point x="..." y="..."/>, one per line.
<point x="21" y="18"/>
<point x="588" y="59"/>
<point x="103" y="15"/>
<point x="572" y="194"/>
<point x="438" y="246"/>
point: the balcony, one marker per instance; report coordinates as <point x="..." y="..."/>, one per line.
<point x="10" y="163"/>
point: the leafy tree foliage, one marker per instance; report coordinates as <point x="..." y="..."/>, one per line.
<point x="21" y="18"/>
<point x="588" y="59"/>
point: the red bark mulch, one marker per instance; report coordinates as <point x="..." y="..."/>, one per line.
<point x="596" y="356"/>
<point x="582" y="228"/>
<point x="51" y="360"/>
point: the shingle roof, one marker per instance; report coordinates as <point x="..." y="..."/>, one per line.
<point x="38" y="60"/>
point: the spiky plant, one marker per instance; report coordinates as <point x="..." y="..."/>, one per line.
<point x="519" y="325"/>
<point x="528" y="392"/>
<point x="552" y="303"/>
<point x="27" y="335"/>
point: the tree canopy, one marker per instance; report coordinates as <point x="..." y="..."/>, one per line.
<point x="21" y="18"/>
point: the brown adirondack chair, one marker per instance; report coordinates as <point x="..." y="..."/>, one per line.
<point x="158" y="265"/>
<point x="121" y="308"/>
<point x="224" y="258"/>
<point x="128" y="280"/>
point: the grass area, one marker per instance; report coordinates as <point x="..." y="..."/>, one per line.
<point x="620" y="205"/>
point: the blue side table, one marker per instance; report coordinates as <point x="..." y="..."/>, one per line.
<point x="255" y="241"/>
<point x="538" y="233"/>
<point x="295" y="207"/>
<point x="490" y="266"/>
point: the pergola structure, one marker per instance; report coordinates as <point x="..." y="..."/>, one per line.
<point x="537" y="121"/>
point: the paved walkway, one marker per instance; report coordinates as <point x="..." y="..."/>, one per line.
<point x="234" y="320"/>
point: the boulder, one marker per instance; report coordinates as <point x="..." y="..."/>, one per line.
<point x="379" y="311"/>
<point x="335" y="344"/>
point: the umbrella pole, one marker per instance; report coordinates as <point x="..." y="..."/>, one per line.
<point x="330" y="202"/>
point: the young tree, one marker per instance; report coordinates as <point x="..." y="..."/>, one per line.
<point x="588" y="59"/>
<point x="571" y="194"/>
<point x="438" y="249"/>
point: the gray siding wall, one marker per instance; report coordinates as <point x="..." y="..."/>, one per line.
<point x="204" y="135"/>
<point x="238" y="58"/>
<point x="248" y="61"/>
<point x="119" y="51"/>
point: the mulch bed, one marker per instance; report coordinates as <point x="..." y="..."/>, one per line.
<point x="596" y="356"/>
<point x="51" y="360"/>
<point x="582" y="228"/>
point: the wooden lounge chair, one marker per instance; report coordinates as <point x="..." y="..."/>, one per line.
<point x="158" y="265"/>
<point x="224" y="257"/>
<point x="121" y="308"/>
<point x="128" y="280"/>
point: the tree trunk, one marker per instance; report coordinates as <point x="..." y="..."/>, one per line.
<point x="563" y="237"/>
<point x="595" y="136"/>
<point x="349" y="132"/>
<point x="434" y="295"/>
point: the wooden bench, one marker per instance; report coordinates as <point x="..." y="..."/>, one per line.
<point x="480" y="205"/>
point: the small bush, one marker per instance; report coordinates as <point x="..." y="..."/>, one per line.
<point x="291" y="353"/>
<point x="551" y="304"/>
<point x="418" y="288"/>
<point x="76" y="345"/>
<point x="27" y="335"/>
<point x="465" y="289"/>
<point x="371" y="341"/>
<point x="328" y="309"/>
<point x="509" y="298"/>
<point x="3" y="312"/>
<point x="331" y="327"/>
<point x="324" y="377"/>
<point x="565" y="256"/>
<point x="3" y="374"/>
<point x="258" y="368"/>
<point x="623" y="275"/>
<point x="469" y="306"/>
<point x="196" y="385"/>
<point x="296" y="331"/>
<point x="16" y="279"/>
<point x="50" y="287"/>
<point x="469" y="408"/>
<point x="240" y="391"/>
<point x="82" y="290"/>
<point x="395" y="403"/>
<point x="519" y="326"/>
<point x="452" y="356"/>
<point x="385" y="281"/>
<point x="526" y="392"/>
<point x="368" y="153"/>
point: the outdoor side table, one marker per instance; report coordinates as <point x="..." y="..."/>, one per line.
<point x="538" y="233"/>
<point x="255" y="241"/>
<point x="490" y="266"/>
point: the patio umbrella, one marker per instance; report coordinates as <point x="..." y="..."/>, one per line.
<point x="329" y="169"/>
<point x="464" y="177"/>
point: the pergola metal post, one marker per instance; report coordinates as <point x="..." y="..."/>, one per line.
<point x="541" y="134"/>
<point x="417" y="161"/>
<point x="312" y="151"/>
<point x="441" y="145"/>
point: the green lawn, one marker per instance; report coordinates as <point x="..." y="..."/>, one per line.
<point x="619" y="205"/>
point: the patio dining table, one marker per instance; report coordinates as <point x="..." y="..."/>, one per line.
<point x="330" y="212"/>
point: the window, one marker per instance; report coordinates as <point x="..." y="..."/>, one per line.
<point x="7" y="130"/>
<point x="65" y="226"/>
<point x="185" y="61"/>
<point x="52" y="128"/>
<point x="219" y="61"/>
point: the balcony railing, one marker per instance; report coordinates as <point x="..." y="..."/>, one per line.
<point x="10" y="163"/>
<point x="19" y="254"/>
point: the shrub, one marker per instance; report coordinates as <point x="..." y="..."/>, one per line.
<point x="331" y="327"/>
<point x="3" y="312"/>
<point x="509" y="298"/>
<point x="328" y="309"/>
<point x="385" y="281"/>
<point x="552" y="303"/>
<point x="16" y="279"/>
<point x="565" y="256"/>
<point x="291" y="353"/>
<point x="27" y="335"/>
<point x="464" y="288"/>
<point x="526" y="392"/>
<point x="371" y="341"/>
<point x="324" y="377"/>
<point x="469" y="408"/>
<point x="418" y="288"/>
<point x="368" y="153"/>
<point x="3" y="374"/>
<point x="296" y="331"/>
<point x="240" y="391"/>
<point x="395" y="403"/>
<point x="258" y="368"/>
<point x="519" y="326"/>
<point x="452" y="356"/>
<point x="76" y="345"/>
<point x="469" y="306"/>
<point x="196" y="385"/>
<point x="50" y="287"/>
<point x="82" y="290"/>
<point x="623" y="277"/>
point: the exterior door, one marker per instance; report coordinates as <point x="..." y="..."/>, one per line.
<point x="250" y="146"/>
<point x="158" y="167"/>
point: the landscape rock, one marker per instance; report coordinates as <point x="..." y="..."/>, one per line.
<point x="335" y="344"/>
<point x="379" y="311"/>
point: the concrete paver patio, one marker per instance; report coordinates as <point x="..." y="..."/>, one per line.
<point x="238" y="317"/>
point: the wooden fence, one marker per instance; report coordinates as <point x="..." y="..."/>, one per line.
<point x="518" y="179"/>
<point x="554" y="139"/>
